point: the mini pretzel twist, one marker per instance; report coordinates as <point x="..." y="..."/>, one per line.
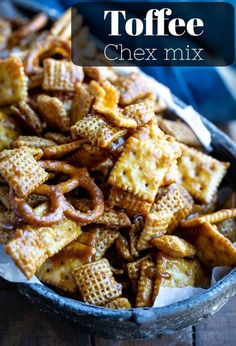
<point x="59" y="205"/>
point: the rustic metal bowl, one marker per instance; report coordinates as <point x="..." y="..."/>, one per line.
<point x="138" y="323"/>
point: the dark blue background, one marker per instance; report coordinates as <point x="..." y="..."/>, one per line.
<point x="216" y="41"/>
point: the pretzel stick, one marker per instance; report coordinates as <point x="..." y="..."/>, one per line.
<point x="216" y="217"/>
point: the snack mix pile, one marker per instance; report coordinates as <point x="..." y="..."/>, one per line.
<point x="101" y="196"/>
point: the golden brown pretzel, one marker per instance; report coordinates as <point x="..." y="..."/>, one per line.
<point x="59" y="205"/>
<point x="27" y="213"/>
<point x="57" y="151"/>
<point x="35" y="24"/>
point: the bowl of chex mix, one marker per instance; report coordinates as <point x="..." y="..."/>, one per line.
<point x="114" y="208"/>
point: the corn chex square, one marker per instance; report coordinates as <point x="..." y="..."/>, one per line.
<point x="57" y="270"/>
<point x="22" y="171"/>
<point x="97" y="130"/>
<point x="96" y="282"/>
<point x="171" y="207"/>
<point x="33" y="245"/>
<point x="61" y="75"/>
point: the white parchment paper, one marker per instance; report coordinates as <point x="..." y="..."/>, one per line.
<point x="10" y="272"/>
<point x="169" y="295"/>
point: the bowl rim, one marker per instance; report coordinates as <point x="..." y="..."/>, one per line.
<point x="76" y="306"/>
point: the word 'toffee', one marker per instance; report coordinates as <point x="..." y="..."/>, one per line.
<point x="154" y="24"/>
